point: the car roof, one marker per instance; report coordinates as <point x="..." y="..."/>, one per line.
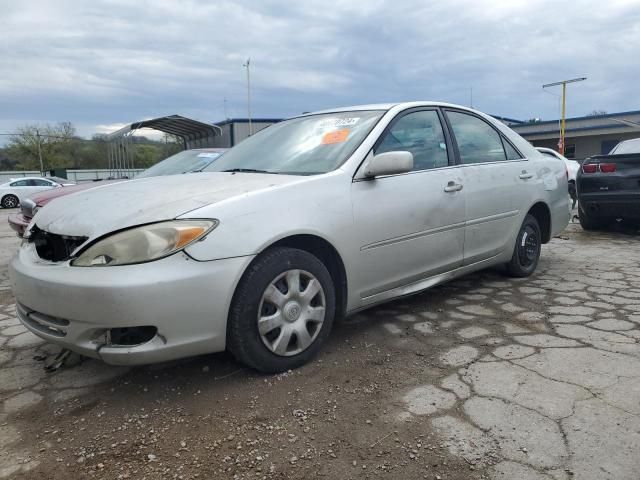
<point x="389" y="106"/>
<point x="25" y="178"/>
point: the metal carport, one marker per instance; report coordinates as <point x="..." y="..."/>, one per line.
<point x="194" y="134"/>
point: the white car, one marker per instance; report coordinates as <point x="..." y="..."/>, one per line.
<point x="572" y="165"/>
<point x="17" y="189"/>
<point x="572" y="168"/>
<point x="314" y="217"/>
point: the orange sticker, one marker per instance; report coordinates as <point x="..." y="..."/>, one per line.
<point x="337" y="136"/>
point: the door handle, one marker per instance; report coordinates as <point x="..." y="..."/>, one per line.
<point x="525" y="176"/>
<point x="453" y="187"/>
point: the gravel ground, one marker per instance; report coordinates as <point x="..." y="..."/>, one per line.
<point x="485" y="377"/>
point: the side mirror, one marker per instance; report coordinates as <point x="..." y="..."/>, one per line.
<point x="388" y="163"/>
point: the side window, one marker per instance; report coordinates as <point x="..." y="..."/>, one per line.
<point x="477" y="141"/>
<point x="42" y="183"/>
<point x="511" y="152"/>
<point x="421" y="134"/>
<point x="20" y="183"/>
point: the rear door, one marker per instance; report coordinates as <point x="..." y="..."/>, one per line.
<point x="498" y="182"/>
<point x="409" y="226"/>
<point x="40" y="184"/>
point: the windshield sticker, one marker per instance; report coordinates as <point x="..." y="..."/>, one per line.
<point x="338" y="122"/>
<point x="337" y="136"/>
<point x="208" y="155"/>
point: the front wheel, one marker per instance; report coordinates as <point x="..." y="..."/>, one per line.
<point x="526" y="252"/>
<point x="282" y="311"/>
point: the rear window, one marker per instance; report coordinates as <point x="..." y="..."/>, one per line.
<point x="627" y="147"/>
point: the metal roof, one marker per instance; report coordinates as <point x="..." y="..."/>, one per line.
<point x="585" y="117"/>
<point x="246" y="120"/>
<point x="186" y="128"/>
<point x="194" y="134"/>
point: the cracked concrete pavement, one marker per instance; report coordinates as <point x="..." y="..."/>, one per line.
<point x="485" y="377"/>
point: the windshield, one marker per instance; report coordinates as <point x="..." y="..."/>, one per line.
<point x="626" y="147"/>
<point x="301" y="146"/>
<point x="183" y="162"/>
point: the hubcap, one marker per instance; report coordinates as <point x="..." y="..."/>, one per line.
<point x="528" y="246"/>
<point x="10" y="202"/>
<point x="291" y="312"/>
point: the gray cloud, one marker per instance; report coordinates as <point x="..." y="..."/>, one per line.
<point x="112" y="61"/>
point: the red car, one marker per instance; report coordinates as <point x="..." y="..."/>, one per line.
<point x="186" y="161"/>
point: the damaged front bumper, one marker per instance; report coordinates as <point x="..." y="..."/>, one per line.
<point x="128" y="315"/>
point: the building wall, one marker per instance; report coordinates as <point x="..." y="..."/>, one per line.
<point x="234" y="131"/>
<point x="587" y="146"/>
<point x="223" y="141"/>
<point x="241" y="129"/>
<point x="591" y="135"/>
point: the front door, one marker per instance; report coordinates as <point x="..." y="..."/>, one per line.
<point x="409" y="226"/>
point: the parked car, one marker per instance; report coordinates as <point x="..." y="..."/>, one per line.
<point x="609" y="186"/>
<point x="315" y="217"/>
<point x="187" y="161"/>
<point x="572" y="170"/>
<point x="17" y="189"/>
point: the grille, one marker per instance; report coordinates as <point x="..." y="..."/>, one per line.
<point x="54" y="247"/>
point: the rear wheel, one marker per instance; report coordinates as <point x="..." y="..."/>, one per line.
<point x="10" y="201"/>
<point x="526" y="252"/>
<point x="591" y="223"/>
<point x="282" y="311"/>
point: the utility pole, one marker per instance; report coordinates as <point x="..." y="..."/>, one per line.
<point x="247" y="65"/>
<point x="39" y="152"/>
<point x="561" y="143"/>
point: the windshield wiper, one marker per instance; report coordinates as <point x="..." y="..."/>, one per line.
<point x="247" y="170"/>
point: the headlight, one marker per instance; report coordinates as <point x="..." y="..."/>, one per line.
<point x="143" y="244"/>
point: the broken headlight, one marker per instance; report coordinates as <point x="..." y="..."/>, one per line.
<point x="143" y="244"/>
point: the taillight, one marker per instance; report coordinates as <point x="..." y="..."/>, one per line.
<point x="591" y="168"/>
<point x="607" y="167"/>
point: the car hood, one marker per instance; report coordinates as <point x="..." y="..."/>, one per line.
<point x="98" y="211"/>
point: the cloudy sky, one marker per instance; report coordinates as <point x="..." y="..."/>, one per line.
<point x="103" y="63"/>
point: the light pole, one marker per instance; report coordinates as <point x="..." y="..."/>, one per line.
<point x="40" y="152"/>
<point x="564" y="107"/>
<point x="247" y="65"/>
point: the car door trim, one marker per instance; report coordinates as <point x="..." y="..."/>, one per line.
<point x="412" y="236"/>
<point x="491" y="218"/>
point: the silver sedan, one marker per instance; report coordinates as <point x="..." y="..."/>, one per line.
<point x="312" y="218"/>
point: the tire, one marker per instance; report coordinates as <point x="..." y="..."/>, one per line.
<point x="526" y="252"/>
<point x="590" y="223"/>
<point x="10" y="201"/>
<point x="268" y="290"/>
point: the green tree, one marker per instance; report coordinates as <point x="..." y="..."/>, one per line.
<point x="61" y="148"/>
<point x="53" y="142"/>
